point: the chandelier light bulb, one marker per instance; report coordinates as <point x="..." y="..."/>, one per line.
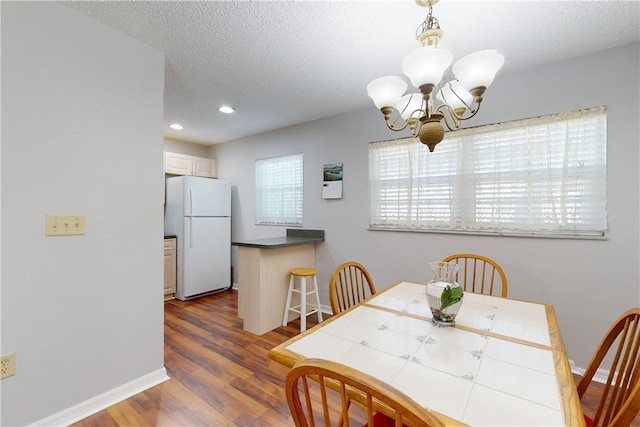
<point x="410" y="105"/>
<point x="455" y="95"/>
<point x="386" y="91"/>
<point x="478" y="69"/>
<point x="426" y="65"/>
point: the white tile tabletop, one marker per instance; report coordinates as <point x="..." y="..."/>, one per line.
<point x="494" y="368"/>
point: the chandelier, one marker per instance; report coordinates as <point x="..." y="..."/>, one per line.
<point x="459" y="98"/>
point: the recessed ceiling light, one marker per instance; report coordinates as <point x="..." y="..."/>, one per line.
<point x="175" y="126"/>
<point x="226" y="109"/>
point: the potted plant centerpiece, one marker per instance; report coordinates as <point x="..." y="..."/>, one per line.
<point x="444" y="294"/>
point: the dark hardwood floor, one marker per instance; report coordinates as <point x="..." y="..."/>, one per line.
<point x="220" y="375"/>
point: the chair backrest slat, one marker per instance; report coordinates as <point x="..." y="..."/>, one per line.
<point x="350" y="284"/>
<point x="359" y="397"/>
<point x="620" y="399"/>
<point x="479" y="274"/>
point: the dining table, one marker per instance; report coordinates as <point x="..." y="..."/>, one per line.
<point x="503" y="363"/>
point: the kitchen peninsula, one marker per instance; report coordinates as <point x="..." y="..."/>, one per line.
<point x="263" y="275"/>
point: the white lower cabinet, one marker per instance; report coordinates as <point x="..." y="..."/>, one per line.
<point x="169" y="268"/>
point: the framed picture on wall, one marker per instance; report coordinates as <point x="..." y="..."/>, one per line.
<point x="332" y="181"/>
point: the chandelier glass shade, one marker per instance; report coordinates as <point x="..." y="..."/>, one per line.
<point x="459" y="97"/>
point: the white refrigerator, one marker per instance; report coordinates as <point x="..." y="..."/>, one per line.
<point x="198" y="213"/>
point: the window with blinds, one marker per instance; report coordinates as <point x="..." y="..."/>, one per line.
<point x="279" y="190"/>
<point x="544" y="176"/>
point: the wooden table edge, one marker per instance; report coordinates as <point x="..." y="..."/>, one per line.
<point x="571" y="406"/>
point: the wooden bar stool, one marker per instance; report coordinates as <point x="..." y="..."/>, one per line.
<point x="302" y="273"/>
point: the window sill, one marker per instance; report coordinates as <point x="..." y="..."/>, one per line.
<point x="497" y="233"/>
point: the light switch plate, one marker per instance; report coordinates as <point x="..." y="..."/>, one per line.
<point x="65" y="225"/>
<point x="7" y="365"/>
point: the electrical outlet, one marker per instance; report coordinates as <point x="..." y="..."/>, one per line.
<point x="65" y="225"/>
<point x="7" y="365"/>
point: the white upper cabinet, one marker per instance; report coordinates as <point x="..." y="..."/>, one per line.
<point x="204" y="167"/>
<point x="181" y="164"/>
<point x="177" y="164"/>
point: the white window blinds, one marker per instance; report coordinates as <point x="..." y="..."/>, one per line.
<point x="279" y="190"/>
<point x="543" y="176"/>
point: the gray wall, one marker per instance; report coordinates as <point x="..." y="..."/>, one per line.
<point x="82" y="108"/>
<point x="589" y="282"/>
<point x="186" y="148"/>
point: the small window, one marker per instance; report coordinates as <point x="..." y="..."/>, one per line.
<point x="544" y="176"/>
<point x="279" y="190"/>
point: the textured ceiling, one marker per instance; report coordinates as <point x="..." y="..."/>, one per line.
<point x="280" y="63"/>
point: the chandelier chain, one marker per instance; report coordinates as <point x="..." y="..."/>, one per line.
<point x="429" y="23"/>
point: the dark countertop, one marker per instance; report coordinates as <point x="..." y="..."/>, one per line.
<point x="169" y="237"/>
<point x="294" y="237"/>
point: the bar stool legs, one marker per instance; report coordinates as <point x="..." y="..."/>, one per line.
<point x="302" y="308"/>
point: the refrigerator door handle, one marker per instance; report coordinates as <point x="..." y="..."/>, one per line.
<point x="190" y="200"/>
<point x="190" y="232"/>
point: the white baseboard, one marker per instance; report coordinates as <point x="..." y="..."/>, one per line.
<point x="600" y="376"/>
<point x="104" y="400"/>
<point x="326" y="309"/>
<point x="575" y="369"/>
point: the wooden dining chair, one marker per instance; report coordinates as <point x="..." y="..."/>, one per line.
<point x="350" y="283"/>
<point x="331" y="387"/>
<point x="620" y="399"/>
<point x="479" y="274"/>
